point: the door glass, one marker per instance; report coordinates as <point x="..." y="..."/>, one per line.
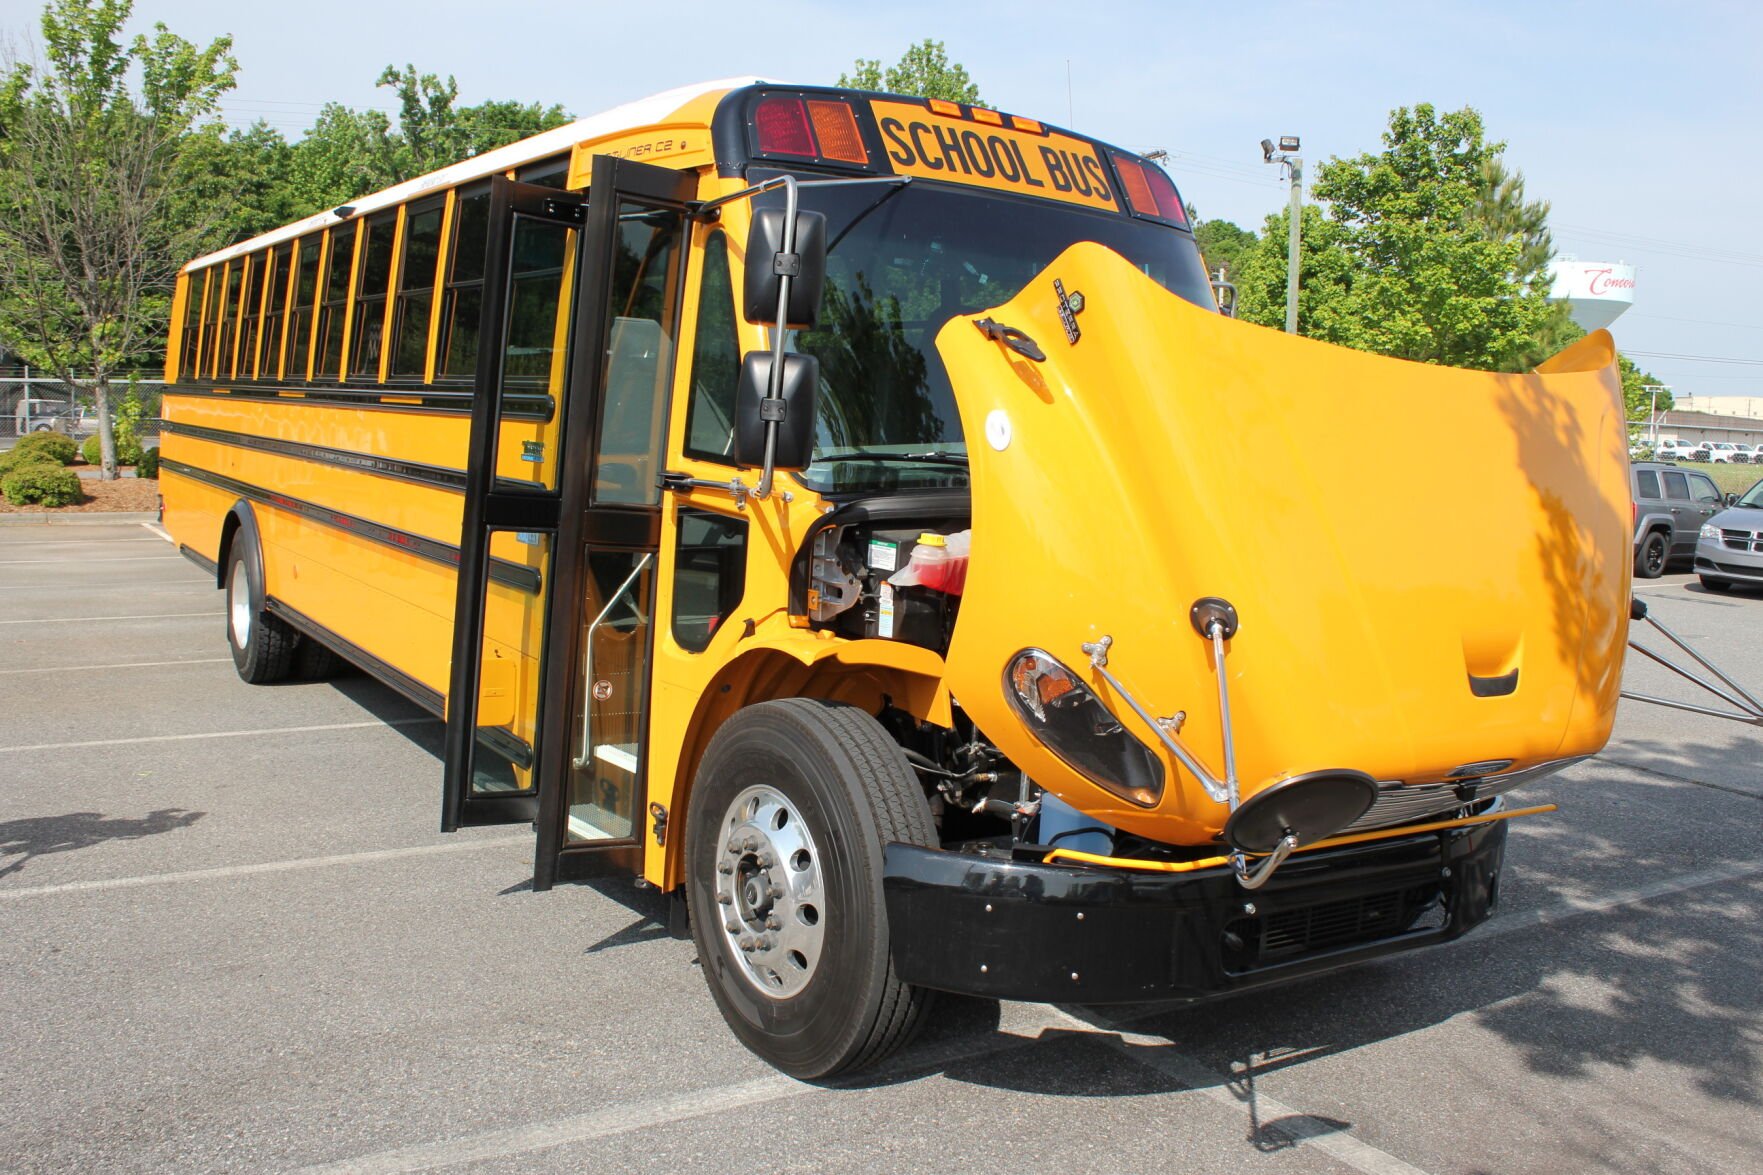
<point x="1676" y="487"/>
<point x="605" y="783"/>
<point x="639" y="355"/>
<point x="507" y="711"/>
<point x="1704" y="490"/>
<point x="535" y="360"/>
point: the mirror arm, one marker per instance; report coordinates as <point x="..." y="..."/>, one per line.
<point x="774" y="385"/>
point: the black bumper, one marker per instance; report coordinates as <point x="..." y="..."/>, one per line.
<point x="990" y="926"/>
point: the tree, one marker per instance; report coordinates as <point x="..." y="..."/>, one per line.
<point x="1428" y="251"/>
<point x="1223" y="244"/>
<point x="924" y="71"/>
<point x="89" y="172"/>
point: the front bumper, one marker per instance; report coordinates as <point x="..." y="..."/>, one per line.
<point x="1720" y="561"/>
<point x="989" y="926"/>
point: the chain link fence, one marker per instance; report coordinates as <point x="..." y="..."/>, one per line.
<point x="32" y="403"/>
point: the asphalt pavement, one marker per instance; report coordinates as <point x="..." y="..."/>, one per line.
<point x="232" y="938"/>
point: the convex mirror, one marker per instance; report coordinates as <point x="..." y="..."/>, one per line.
<point x="767" y="263"/>
<point x="792" y="409"/>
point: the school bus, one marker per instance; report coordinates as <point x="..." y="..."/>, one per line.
<point x="851" y="514"/>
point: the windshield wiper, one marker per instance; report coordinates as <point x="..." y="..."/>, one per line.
<point x="935" y="457"/>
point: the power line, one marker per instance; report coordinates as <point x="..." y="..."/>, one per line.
<point x="1697" y="358"/>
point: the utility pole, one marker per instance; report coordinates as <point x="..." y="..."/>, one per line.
<point x="1287" y="158"/>
<point x="1653" y="391"/>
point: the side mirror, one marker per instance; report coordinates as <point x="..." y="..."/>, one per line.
<point x="793" y="409"/>
<point x="768" y="263"/>
<point x="1732" y="499"/>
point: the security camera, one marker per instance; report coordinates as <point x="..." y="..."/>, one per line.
<point x="1267" y="150"/>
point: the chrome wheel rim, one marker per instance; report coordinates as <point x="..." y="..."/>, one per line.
<point x="238" y="596"/>
<point x="768" y="892"/>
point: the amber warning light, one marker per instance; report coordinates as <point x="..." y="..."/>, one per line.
<point x="809" y="128"/>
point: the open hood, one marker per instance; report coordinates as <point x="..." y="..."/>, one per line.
<point x="1431" y="566"/>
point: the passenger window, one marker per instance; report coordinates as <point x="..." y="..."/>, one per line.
<point x="1647" y="482"/>
<point x="465" y="285"/>
<point x="220" y="362"/>
<point x="716" y="360"/>
<point x="274" y="311"/>
<point x="371" y="288"/>
<point x="300" y="316"/>
<point x="195" y="301"/>
<point x="336" y="302"/>
<point x="416" y="293"/>
<point x="709" y="576"/>
<point x="249" y="314"/>
<point x="1704" y="490"/>
<point x="1676" y="487"/>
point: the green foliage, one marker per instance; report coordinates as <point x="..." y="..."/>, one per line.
<point x="93" y="222"/>
<point x="1428" y="251"/>
<point x="52" y="485"/>
<point x="148" y="465"/>
<point x="47" y="446"/>
<point x="128" y="447"/>
<point x="924" y="71"/>
<point x="1223" y="245"/>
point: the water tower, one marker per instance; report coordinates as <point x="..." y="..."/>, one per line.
<point x="1596" y="292"/>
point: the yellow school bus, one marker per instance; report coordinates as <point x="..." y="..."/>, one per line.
<point x="851" y="514"/>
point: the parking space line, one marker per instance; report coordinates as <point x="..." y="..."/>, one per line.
<point x="1674" y="778"/>
<point x="1158" y="1052"/>
<point x="178" y="738"/>
<point x="298" y="864"/>
<point x="119" y="665"/>
<point x="71" y="542"/>
<point x="86" y="562"/>
<point x="159" y="532"/>
<point x="90" y="619"/>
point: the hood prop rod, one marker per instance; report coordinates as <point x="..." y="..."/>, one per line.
<point x="1750" y="710"/>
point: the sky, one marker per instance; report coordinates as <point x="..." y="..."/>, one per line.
<point x="1634" y="120"/>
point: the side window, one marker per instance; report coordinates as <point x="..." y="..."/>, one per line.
<point x="275" y="308"/>
<point x="249" y="314"/>
<point x="220" y="352"/>
<point x="1647" y="483"/>
<point x="547" y="173"/>
<point x="373" y="280"/>
<point x="194" y="302"/>
<point x="336" y="303"/>
<point x="1705" y="491"/>
<point x="709" y="576"/>
<point x="1676" y="486"/>
<point x="416" y="291"/>
<point x="300" y="317"/>
<point x="464" y="296"/>
<point x="716" y="359"/>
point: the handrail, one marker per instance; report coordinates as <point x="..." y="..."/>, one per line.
<point x="587" y="752"/>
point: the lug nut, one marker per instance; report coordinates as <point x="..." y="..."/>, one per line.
<point x="733" y="927"/>
<point x="747" y="942"/>
<point x="765" y="860"/>
<point x="725" y="868"/>
<point x="772" y="922"/>
<point x="723" y="899"/>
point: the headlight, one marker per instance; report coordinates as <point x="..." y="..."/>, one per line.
<point x="1064" y="715"/>
<point x="1711" y="533"/>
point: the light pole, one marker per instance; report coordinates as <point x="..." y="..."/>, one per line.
<point x="1294" y="166"/>
<point x="1653" y="391"/>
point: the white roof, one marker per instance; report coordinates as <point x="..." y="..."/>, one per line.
<point x="629" y="116"/>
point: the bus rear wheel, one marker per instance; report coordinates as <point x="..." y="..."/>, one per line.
<point x="262" y="645"/>
<point x="793" y="804"/>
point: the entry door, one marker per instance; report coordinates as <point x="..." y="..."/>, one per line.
<point x="495" y="741"/>
<point x="593" y="813"/>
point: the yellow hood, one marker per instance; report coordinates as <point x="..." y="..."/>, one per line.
<point x="1385" y="530"/>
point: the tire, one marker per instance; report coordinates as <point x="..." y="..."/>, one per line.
<point x="262" y="645"/>
<point x="806" y="792"/>
<point x="1654" y="553"/>
<point x="1716" y="585"/>
<point x="315" y="661"/>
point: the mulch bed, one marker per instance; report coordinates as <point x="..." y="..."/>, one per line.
<point x="100" y="497"/>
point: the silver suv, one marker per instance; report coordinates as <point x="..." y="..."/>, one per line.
<point x="1729" y="549"/>
<point x="1671" y="505"/>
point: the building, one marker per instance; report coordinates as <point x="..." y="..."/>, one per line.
<point x="1596" y="292"/>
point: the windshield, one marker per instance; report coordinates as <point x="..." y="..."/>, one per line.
<point x="1753" y="497"/>
<point x="901" y="261"/>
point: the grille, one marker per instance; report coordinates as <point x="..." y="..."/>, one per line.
<point x="1741" y="540"/>
<point x="1283" y="935"/>
<point x="1400" y="803"/>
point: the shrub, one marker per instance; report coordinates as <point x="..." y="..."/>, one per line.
<point x="52" y="485"/>
<point x="128" y="449"/>
<point x="148" y="465"/>
<point x="47" y="446"/>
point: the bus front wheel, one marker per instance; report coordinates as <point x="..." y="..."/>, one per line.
<point x="793" y="804"/>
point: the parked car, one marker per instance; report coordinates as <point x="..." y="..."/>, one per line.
<point x="1719" y="452"/>
<point x="1671" y="506"/>
<point x="1744" y="454"/>
<point x="1729" y="547"/>
<point x="1674" y="450"/>
<point x="39" y="415"/>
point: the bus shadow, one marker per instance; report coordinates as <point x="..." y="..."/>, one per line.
<point x="415" y="725"/>
<point x="22" y="841"/>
